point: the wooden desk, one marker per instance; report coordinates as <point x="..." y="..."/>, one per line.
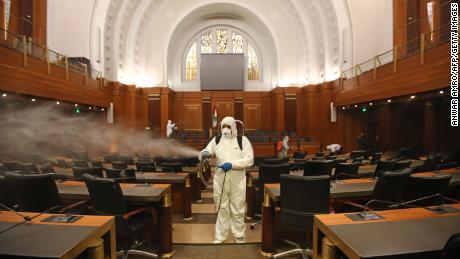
<point x="156" y="193"/>
<point x="54" y="240"/>
<point x="407" y="232"/>
<point x="181" y="189"/>
<point x="344" y="189"/>
<point x="196" y="181"/>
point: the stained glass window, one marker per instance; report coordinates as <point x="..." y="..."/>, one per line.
<point x="206" y="42"/>
<point x="191" y="64"/>
<point x="222" y="41"/>
<point x="253" y="64"/>
<point x="237" y="42"/>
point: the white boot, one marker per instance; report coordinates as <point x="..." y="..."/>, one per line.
<point x="240" y="240"/>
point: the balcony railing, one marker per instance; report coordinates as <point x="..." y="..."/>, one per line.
<point x="29" y="48"/>
<point x="418" y="45"/>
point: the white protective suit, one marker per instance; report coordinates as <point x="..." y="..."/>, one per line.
<point x="334" y="147"/>
<point x="284" y="150"/>
<point x="232" y="207"/>
<point x="170" y="128"/>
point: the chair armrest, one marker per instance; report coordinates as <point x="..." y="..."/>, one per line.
<point x="450" y="200"/>
<point x="151" y="210"/>
<point x="357" y="205"/>
<point x="73" y="205"/>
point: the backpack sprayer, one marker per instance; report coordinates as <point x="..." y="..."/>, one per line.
<point x="206" y="156"/>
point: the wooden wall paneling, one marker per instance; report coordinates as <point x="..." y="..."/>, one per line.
<point x="193" y="113"/>
<point x="207" y="113"/>
<point x="252" y="116"/>
<point x="154" y="112"/>
<point x="238" y="106"/>
<point x="290" y="113"/>
<point x="399" y="23"/>
<point x="165" y="104"/>
<point x="224" y="109"/>
<point x="277" y="102"/>
<point x="130" y="106"/>
<point x="412" y="23"/>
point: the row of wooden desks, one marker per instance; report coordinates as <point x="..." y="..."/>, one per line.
<point x="155" y="195"/>
<point x="405" y="233"/>
<point x="184" y="187"/>
<point x="344" y="189"/>
<point x="54" y="240"/>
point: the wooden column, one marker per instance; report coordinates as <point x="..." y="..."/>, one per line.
<point x="278" y="105"/>
<point x="2" y="15"/>
<point x="130" y="106"/>
<point x="39" y="18"/>
<point x="117" y="110"/>
<point x="207" y="113"/>
<point x="165" y="103"/>
<point x="431" y="127"/>
<point x="290" y="112"/>
<point x="154" y="112"/>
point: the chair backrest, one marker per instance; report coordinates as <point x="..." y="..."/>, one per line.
<point x="297" y="165"/>
<point x="78" y="172"/>
<point x="452" y="248"/>
<point x="384" y="166"/>
<point x="119" y="165"/>
<point x="145" y="166"/>
<point x="318" y="167"/>
<point x="10" y="165"/>
<point x="445" y="166"/>
<point x="376" y="157"/>
<point x="390" y="186"/>
<point x="346" y="168"/>
<point x="6" y="194"/>
<point x="269" y="173"/>
<point x="431" y="163"/>
<point x="79" y="163"/>
<point x="318" y="158"/>
<point x="297" y="213"/>
<point x="119" y="174"/>
<point x="399" y="165"/>
<point x="357" y="154"/>
<point x="423" y="186"/>
<point x="47" y="169"/>
<point x="28" y="168"/>
<point x="34" y="192"/>
<point x="299" y="155"/>
<point x="96" y="163"/>
<point x="275" y="161"/>
<point x="106" y="196"/>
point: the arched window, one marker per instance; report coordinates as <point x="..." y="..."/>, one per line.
<point x="221" y="40"/>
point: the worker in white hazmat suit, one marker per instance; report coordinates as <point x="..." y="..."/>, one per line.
<point x="169" y="128"/>
<point x="233" y="155"/>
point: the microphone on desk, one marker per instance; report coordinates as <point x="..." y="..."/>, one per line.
<point x="26" y="218"/>
<point x="403" y="204"/>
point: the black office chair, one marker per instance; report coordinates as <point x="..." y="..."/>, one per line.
<point x="145" y="166"/>
<point x="452" y="248"/>
<point x="358" y="154"/>
<point x="10" y="166"/>
<point x="275" y="161"/>
<point x="383" y="166"/>
<point x="127" y="175"/>
<point x="400" y="165"/>
<point x="376" y="157"/>
<point x="119" y="165"/>
<point x="28" y="168"/>
<point x="38" y="193"/>
<point x="107" y="199"/>
<point x="445" y="166"/>
<point x="6" y="194"/>
<point x="431" y="163"/>
<point x="299" y="155"/>
<point x="47" y="169"/>
<point x="96" y="163"/>
<point x="268" y="173"/>
<point x="79" y="163"/>
<point x="171" y="167"/>
<point x="81" y="155"/>
<point x="422" y="187"/>
<point x="297" y="214"/>
<point x="318" y="167"/>
<point x="346" y="171"/>
<point x="387" y="193"/>
<point x="78" y="172"/>
<point x="319" y="154"/>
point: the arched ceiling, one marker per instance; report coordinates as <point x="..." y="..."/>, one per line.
<point x="302" y="40"/>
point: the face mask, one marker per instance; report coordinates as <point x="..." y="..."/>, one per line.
<point x="226" y="132"/>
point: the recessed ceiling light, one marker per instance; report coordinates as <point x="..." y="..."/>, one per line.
<point x="76" y="105"/>
<point x="33" y="99"/>
<point x="89" y="108"/>
<point x="389" y="100"/>
<point x="356" y="105"/>
<point x="343" y="108"/>
<point x="412" y="97"/>
<point x="102" y="109"/>
<point x="4" y="95"/>
<point x="370" y="104"/>
<point x="57" y="102"/>
<point x="441" y="92"/>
